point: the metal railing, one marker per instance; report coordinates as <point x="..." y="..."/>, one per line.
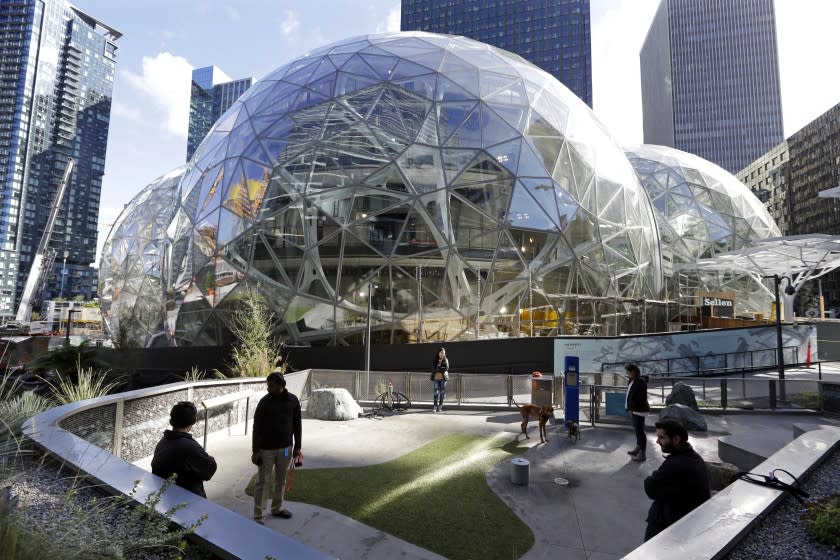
<point x="463" y="388"/>
<point x="712" y="364"/>
<point x="605" y="398"/>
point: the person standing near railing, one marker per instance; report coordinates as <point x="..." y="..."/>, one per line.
<point x="439" y="378"/>
<point x="636" y="403"/>
<point x="179" y="454"/>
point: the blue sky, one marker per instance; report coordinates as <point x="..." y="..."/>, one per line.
<point x="164" y="39"/>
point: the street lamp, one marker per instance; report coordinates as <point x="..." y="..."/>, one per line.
<point x="789" y="290"/>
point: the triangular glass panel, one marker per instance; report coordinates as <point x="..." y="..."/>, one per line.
<point x="357" y="243"/>
<point x="206" y="230"/>
<point x="335" y="203"/>
<point x="323" y="88"/>
<point x="418" y="235"/>
<point x="430" y="60"/>
<point x="468" y="135"/>
<point x="386" y="116"/>
<point x="474" y="232"/>
<point x="494" y="129"/>
<point x="382" y="65"/>
<point x="539" y="126"/>
<point x="230" y="227"/>
<point x="407" y="69"/>
<point x="514" y="115"/>
<point x="277" y="102"/>
<point x="421" y="166"/>
<point x="388" y="178"/>
<point x="303" y="75"/>
<point x="246" y="202"/>
<point x="428" y="133"/>
<point x="362" y="102"/>
<point x="423" y="86"/>
<point x="449" y="91"/>
<point x="491" y="198"/>
<point x="239" y="137"/>
<point x="530" y="164"/>
<point x="325" y="67"/>
<point x="350" y="47"/>
<point x="452" y="115"/>
<point x="347" y="83"/>
<point x="507" y="154"/>
<point x="455" y="161"/>
<point x="211" y="187"/>
<point x="467" y="80"/>
<point x="512" y="94"/>
<point x="526" y="213"/>
<point x="226" y="121"/>
<point x="548" y="147"/>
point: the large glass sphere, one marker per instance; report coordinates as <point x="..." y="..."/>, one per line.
<point x="452" y="188"/>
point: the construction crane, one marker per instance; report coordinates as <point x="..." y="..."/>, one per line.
<point x="44" y="255"/>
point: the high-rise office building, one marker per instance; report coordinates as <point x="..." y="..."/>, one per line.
<point x="710" y="80"/>
<point x="211" y="94"/>
<point x="57" y="66"/>
<point x="552" y="34"/>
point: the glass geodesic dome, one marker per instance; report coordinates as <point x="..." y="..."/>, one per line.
<point x="455" y="188"/>
<point x="134" y="264"/>
<point x="702" y="210"/>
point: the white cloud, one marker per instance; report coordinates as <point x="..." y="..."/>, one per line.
<point x="392" y="21"/>
<point x="290" y="23"/>
<point x="618" y="31"/>
<point x="130" y="113"/>
<point x="809" y="47"/>
<point x="166" y="82"/>
<point x="232" y="13"/>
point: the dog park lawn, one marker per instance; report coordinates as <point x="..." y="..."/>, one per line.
<point x="435" y="497"/>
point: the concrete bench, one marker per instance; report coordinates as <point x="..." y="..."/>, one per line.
<point x="714" y="528"/>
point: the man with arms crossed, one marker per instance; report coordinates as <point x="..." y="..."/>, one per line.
<point x="680" y="484"/>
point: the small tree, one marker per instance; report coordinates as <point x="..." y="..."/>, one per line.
<point x="256" y="350"/>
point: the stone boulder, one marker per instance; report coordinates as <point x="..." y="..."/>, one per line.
<point x="682" y="394"/>
<point x="333" y="404"/>
<point x="685" y="415"/>
<point x="720" y="475"/>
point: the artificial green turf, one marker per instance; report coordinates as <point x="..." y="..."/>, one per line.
<point x="435" y="497"/>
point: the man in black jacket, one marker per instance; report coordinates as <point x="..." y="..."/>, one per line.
<point x="636" y="403"/>
<point x="276" y="441"/>
<point x="680" y="484"/>
<point x="179" y="454"/>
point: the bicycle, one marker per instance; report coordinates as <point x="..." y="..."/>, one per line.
<point x="393" y="401"/>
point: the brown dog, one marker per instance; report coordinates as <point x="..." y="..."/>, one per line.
<point x="541" y="413"/>
<point x="574" y="431"/>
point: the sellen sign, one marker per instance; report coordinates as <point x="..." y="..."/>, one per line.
<point x="717" y="305"/>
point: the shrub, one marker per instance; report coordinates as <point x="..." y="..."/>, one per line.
<point x="90" y="384"/>
<point x="823" y="520"/>
<point x="256" y="351"/>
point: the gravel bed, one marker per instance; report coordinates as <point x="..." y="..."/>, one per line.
<point x="59" y="505"/>
<point x="782" y="535"/>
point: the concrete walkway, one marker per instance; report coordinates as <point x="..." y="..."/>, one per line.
<point x="599" y="515"/>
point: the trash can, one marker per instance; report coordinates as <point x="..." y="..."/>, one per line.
<point x="520" y="471"/>
<point x="541" y="393"/>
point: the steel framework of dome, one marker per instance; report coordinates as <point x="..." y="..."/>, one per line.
<point x="470" y="190"/>
<point x="703" y="211"/>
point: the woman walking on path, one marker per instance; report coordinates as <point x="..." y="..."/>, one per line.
<point x="439" y="377"/>
<point x="636" y="403"/>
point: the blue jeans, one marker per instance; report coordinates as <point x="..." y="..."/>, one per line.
<point x="439" y="392"/>
<point x="639" y="428"/>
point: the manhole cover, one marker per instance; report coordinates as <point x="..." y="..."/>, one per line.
<point x="561" y="481"/>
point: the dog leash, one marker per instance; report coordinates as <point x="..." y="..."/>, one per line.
<point x="292" y="469"/>
<point x="771" y="481"/>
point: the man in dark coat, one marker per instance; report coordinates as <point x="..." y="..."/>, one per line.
<point x="680" y="484"/>
<point x="179" y="454"/>
<point x="276" y="442"/>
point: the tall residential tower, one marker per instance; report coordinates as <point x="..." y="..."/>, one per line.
<point x="57" y="66"/>
<point x="211" y="94"/>
<point x="710" y="80"/>
<point x="552" y="34"/>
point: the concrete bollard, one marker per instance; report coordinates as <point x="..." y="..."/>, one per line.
<point x="520" y="471"/>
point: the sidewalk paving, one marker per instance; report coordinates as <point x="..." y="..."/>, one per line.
<point x="599" y="515"/>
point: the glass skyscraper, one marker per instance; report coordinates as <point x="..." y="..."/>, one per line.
<point x="710" y="80"/>
<point x="57" y="65"/>
<point x="552" y="34"/>
<point x="211" y="94"/>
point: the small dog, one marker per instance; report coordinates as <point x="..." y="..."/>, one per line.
<point x="541" y="413"/>
<point x="574" y="431"/>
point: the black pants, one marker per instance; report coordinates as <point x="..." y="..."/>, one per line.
<point x="639" y="428"/>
